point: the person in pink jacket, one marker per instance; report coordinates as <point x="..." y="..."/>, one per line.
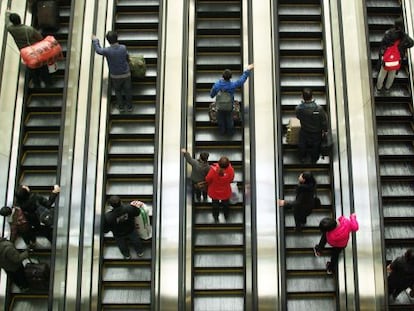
<point x="219" y="178"/>
<point x="335" y="233"/>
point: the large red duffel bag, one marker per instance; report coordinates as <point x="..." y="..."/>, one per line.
<point x="41" y="53"/>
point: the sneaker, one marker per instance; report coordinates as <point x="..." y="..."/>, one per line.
<point x="121" y="108"/>
<point x="328" y="268"/>
<point x="140" y="254"/>
<point x="130" y="108"/>
<point x="316" y="251"/>
<point x="127" y="257"/>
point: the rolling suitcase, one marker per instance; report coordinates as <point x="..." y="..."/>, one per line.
<point x="37" y="275"/>
<point x="47" y="15"/>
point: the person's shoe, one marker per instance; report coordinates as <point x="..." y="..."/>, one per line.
<point x="216" y="220"/>
<point x="226" y="218"/>
<point x="140" y="254"/>
<point x="411" y="295"/>
<point x="328" y="268"/>
<point x="121" y="108"/>
<point x="316" y="251"/>
<point x="387" y="91"/>
<point x="127" y="257"/>
<point x="31" y="246"/>
<point x="24" y="290"/>
<point x="130" y="108"/>
<point x="298" y="229"/>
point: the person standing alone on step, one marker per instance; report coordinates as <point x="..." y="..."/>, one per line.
<point x="224" y="90"/>
<point x="117" y="58"/>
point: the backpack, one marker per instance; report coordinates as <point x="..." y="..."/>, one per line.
<point x="137" y="66"/>
<point x="392" y="57"/>
<point x="224" y="102"/>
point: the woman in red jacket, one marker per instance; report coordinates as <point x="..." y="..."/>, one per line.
<point x="336" y="233"/>
<point x="219" y="178"/>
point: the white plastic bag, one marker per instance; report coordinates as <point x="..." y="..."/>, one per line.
<point x="52" y="67"/>
<point x="236" y="195"/>
<point x="142" y="222"/>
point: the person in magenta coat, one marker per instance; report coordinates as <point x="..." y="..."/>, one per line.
<point x="219" y="178"/>
<point x="335" y="233"/>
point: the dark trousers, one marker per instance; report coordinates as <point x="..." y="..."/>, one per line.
<point x="122" y="87"/>
<point x="18" y="277"/>
<point x="225" y="122"/>
<point x="216" y="208"/>
<point x="397" y="283"/>
<point x="198" y="192"/>
<point x="122" y="242"/>
<point x="334" y="252"/>
<point x="38" y="75"/>
<point x="312" y="142"/>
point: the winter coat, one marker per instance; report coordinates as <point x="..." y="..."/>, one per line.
<point x="219" y="186"/>
<point x="18" y="223"/>
<point x="304" y="202"/>
<point x="10" y="257"/>
<point x="390" y="36"/>
<point x="31" y="204"/>
<point x="312" y="117"/>
<point x="229" y="86"/>
<point x="200" y="168"/>
<point x="23" y="35"/>
<point x="121" y="220"/>
<point x="402" y="273"/>
<point x="339" y="236"/>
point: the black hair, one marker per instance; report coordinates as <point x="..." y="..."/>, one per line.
<point x="307" y="94"/>
<point x="409" y="255"/>
<point x="227" y="74"/>
<point x="22" y="194"/>
<point x="204" y="156"/>
<point x="308" y="177"/>
<point x="399" y="23"/>
<point x="112" y="36"/>
<point x="5" y="211"/>
<point x="15" y="19"/>
<point x="327" y="224"/>
<point x="115" y="201"/>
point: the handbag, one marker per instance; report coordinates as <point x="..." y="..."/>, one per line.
<point x="41" y="53"/>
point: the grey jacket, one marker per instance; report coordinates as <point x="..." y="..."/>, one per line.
<point x="10" y="257"/>
<point x="200" y="168"/>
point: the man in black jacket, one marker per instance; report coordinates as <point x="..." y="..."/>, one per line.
<point x="313" y="124"/>
<point x="121" y="221"/>
<point x="390" y="37"/>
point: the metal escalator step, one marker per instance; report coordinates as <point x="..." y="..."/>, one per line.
<point x="313" y="284"/>
<point x="147" y="38"/>
<point x="111" y="253"/>
<point x="214" y="302"/>
<point x="142" y="5"/>
<point x="395" y="129"/>
<point x="144" y="20"/>
<point x="205" y="217"/>
<point x="29" y="302"/>
<point x="393" y="109"/>
<point x="395" y="149"/>
<point x="131" y="128"/>
<point x="128" y="296"/>
<point x="302" y="240"/>
<point x="397" y="169"/>
<point x="222" y="43"/>
<point x="403" y="209"/>
<point x="218" y="259"/>
<point x="130" y="273"/>
<point x="312" y="222"/>
<point x="291" y="157"/>
<point x="326" y="302"/>
<point x="38" y="178"/>
<point x="127" y="186"/>
<point x="300" y="63"/>
<point x="132" y="166"/>
<point x="222" y="281"/>
<point x="305" y="261"/>
<point x="322" y="177"/>
<point x="215" y="237"/>
<point x="399" y="231"/>
<point x="394" y="189"/>
<point x="43" y="120"/>
<point x="300" y="81"/>
<point x="214" y="9"/>
<point x="304" y="46"/>
<point x="40" y="159"/>
<point x="211" y="135"/>
<point x="300" y="29"/>
<point x="130" y="146"/>
<point x="224" y="25"/>
<point x="219" y="60"/>
<point x="49" y="103"/>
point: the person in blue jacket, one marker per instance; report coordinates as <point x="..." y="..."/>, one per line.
<point x="225" y="120"/>
<point x="117" y="58"/>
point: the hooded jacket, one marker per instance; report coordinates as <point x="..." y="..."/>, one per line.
<point x="339" y="236"/>
<point x="390" y="36"/>
<point x="304" y="202"/>
<point x="10" y="257"/>
<point x="312" y="117"/>
<point x="200" y="168"/>
<point x="121" y="220"/>
<point x="219" y="186"/>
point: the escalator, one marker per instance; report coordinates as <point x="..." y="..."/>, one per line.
<point x="218" y="250"/>
<point x="302" y="64"/>
<point x="127" y="284"/>
<point x="39" y="154"/>
<point x="395" y="134"/>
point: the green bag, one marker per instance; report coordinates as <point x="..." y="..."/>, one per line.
<point x="224" y="101"/>
<point x="137" y="65"/>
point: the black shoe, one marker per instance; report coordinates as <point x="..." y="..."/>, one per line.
<point x="121" y="108"/>
<point x="216" y="220"/>
<point x="130" y="108"/>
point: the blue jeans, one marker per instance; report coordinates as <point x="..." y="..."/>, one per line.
<point x="225" y="122"/>
<point x="122" y="242"/>
<point x="122" y="87"/>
